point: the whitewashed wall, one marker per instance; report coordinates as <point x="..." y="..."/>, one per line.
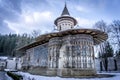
<point x="11" y="64"/>
<point x="19" y="64"/>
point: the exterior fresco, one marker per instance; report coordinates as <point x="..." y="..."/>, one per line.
<point x="68" y="52"/>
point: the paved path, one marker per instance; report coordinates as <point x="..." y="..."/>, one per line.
<point x="3" y="76"/>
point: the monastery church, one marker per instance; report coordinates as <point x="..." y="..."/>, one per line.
<point x="67" y="52"/>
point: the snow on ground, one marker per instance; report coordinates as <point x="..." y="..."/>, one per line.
<point x="3" y="57"/>
<point x="9" y="78"/>
<point x="27" y="76"/>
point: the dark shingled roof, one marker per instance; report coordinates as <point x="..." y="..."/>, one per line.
<point x="65" y="11"/>
<point x="98" y="37"/>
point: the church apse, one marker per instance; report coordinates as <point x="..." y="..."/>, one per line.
<point x="73" y="53"/>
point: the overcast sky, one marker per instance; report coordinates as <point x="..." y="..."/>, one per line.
<point x="24" y="16"/>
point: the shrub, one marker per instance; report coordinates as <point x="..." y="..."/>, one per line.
<point x="14" y="76"/>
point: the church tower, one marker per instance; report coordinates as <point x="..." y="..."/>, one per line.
<point x="65" y="21"/>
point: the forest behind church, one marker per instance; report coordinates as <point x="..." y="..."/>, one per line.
<point x="10" y="42"/>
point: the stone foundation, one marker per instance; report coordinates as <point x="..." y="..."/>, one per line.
<point x="64" y="72"/>
<point x="75" y="72"/>
<point x="67" y="72"/>
<point x="52" y="72"/>
<point x="38" y="71"/>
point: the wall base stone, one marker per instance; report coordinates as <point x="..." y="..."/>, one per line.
<point x="52" y="72"/>
<point x="76" y="72"/>
<point x="68" y="72"/>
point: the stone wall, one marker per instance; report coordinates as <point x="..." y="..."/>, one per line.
<point x="2" y="64"/>
<point x="11" y="64"/>
<point x="36" y="57"/>
<point x="41" y="55"/>
<point x="118" y="63"/>
<point x="97" y="64"/>
<point x="113" y="64"/>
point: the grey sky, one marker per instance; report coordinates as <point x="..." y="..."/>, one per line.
<point x="24" y="16"/>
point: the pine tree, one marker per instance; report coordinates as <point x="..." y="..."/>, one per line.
<point x="108" y="50"/>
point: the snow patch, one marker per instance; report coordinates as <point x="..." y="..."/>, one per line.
<point x="27" y="76"/>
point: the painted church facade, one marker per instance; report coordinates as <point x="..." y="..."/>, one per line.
<point x="68" y="52"/>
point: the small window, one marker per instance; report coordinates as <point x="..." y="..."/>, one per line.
<point x="60" y="27"/>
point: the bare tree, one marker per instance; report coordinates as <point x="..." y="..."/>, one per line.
<point x="105" y="47"/>
<point x="115" y="28"/>
<point x="36" y="33"/>
<point x="101" y="25"/>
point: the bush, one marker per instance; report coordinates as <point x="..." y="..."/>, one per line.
<point x="14" y="76"/>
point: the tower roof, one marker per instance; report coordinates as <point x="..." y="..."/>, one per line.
<point x="65" y="11"/>
<point x="65" y="16"/>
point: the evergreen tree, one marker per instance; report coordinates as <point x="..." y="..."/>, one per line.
<point x="108" y="51"/>
<point x="118" y="53"/>
<point x="9" y="43"/>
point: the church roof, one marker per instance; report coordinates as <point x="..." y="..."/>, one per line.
<point x="65" y="11"/>
<point x="98" y="37"/>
